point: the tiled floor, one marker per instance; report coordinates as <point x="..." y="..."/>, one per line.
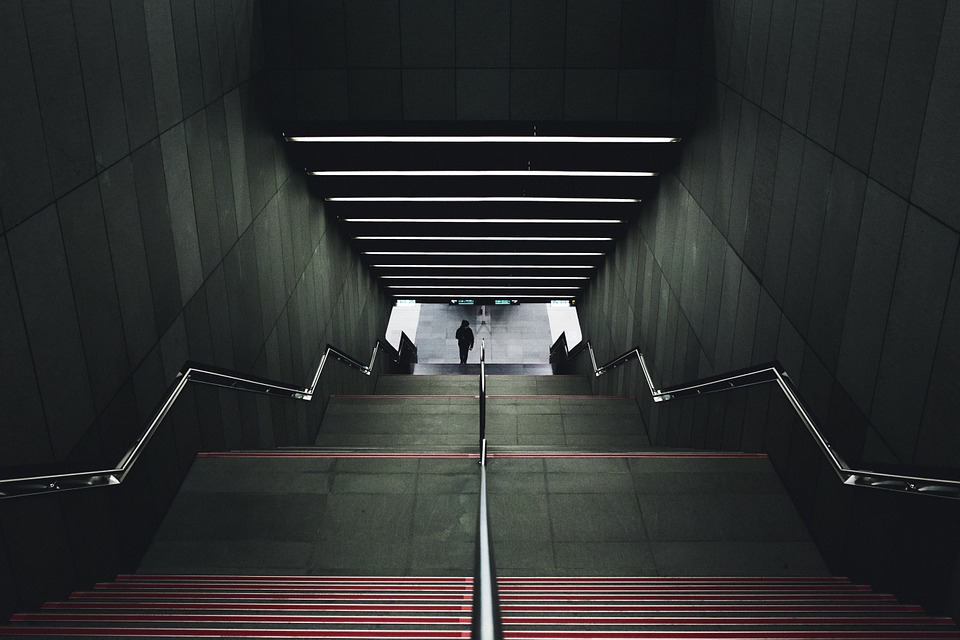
<point x="511" y="334"/>
<point x="611" y="516"/>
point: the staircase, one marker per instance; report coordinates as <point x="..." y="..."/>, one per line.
<point x="534" y="608"/>
<point x="371" y="533"/>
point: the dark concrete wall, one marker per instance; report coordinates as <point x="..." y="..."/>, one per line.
<point x="149" y="216"/>
<point x="813" y="220"/>
<point x="469" y="60"/>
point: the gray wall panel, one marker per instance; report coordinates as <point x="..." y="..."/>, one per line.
<point x="483" y="94"/>
<point x="94" y="291"/>
<point x="19" y="394"/>
<point x="119" y="198"/>
<point x="935" y="187"/>
<point x="835" y="266"/>
<point x="136" y="75"/>
<point x="587" y="42"/>
<point x="537" y="31"/>
<point x="833" y="49"/>
<point x="428" y="33"/>
<point x="429" y="94"/>
<point x="187" y="44"/>
<point x="906" y="84"/>
<point x="926" y="263"/>
<point x="183" y="219"/>
<point x="863" y="83"/>
<point x="163" y="62"/>
<point x="25" y="182"/>
<point x="871" y="286"/>
<point x="372" y="33"/>
<point x="803" y="56"/>
<point x="483" y="33"/>
<point x="590" y="94"/>
<point x="56" y="68"/>
<point x="209" y="50"/>
<point x="158" y="237"/>
<point x="101" y="80"/>
<point x="778" y="55"/>
<point x="50" y="317"/>
<point x="204" y="192"/>
<point x="807" y="234"/>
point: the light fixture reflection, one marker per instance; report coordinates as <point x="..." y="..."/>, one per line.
<point x="483" y="253"/>
<point x="426" y="277"/>
<point x="419" y="287"/>
<point x="489" y="238"/>
<point x="489" y="173"/>
<point x="498" y="139"/>
<point x="484" y="199"/>
<point x="483" y="266"/>
<point x="484" y="220"/>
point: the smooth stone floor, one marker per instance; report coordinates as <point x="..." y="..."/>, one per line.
<point x="315" y="516"/>
<point x="511" y="334"/>
<point x="549" y="516"/>
<point x="610" y="516"/>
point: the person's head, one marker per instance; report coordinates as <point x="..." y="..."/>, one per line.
<point x="464" y="324"/>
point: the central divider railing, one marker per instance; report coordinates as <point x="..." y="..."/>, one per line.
<point x="765" y="373"/>
<point x="203" y="374"/>
<point x="487" y="623"/>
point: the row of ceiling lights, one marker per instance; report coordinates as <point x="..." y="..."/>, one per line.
<point x="460" y="291"/>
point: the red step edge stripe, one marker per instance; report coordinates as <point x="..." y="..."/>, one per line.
<point x="398" y="634"/>
<point x="186" y="577"/>
<point x="320" y="454"/>
<point x="393" y="634"/>
<point x="462" y="620"/>
<point x="448" y="598"/>
<point x="212" y="577"/>
<point x="505" y="589"/>
<point x="442" y="608"/>
<point x="347" y="454"/>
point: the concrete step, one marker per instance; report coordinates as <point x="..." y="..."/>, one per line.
<point x="411" y="421"/>
<point x="534" y="608"/>
<point x="496" y="384"/>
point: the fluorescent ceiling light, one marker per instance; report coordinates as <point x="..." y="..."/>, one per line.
<point x="487" y="220"/>
<point x="424" y="277"/>
<point x="475" y="288"/>
<point x="483" y="253"/>
<point x="491" y="172"/>
<point x="488" y="238"/>
<point x="459" y="139"/>
<point x="448" y="296"/>
<point x="482" y="199"/>
<point x="484" y="266"/>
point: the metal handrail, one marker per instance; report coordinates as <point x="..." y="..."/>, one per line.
<point x="487" y="622"/>
<point x="773" y="372"/>
<point x="483" y="405"/>
<point x="191" y="372"/>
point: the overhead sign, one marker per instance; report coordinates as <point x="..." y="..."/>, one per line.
<point x="506" y="302"/>
<point x="401" y="303"/>
<point x="462" y="301"/>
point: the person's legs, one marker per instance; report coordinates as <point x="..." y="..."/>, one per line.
<point x="463" y="354"/>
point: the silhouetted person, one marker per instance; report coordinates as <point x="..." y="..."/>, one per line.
<point x="464" y="340"/>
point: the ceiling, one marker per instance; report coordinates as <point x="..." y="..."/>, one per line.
<point x="531" y="219"/>
<point x="512" y="68"/>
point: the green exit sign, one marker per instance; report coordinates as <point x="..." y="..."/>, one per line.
<point x="506" y="302"/>
<point x="462" y="301"/>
